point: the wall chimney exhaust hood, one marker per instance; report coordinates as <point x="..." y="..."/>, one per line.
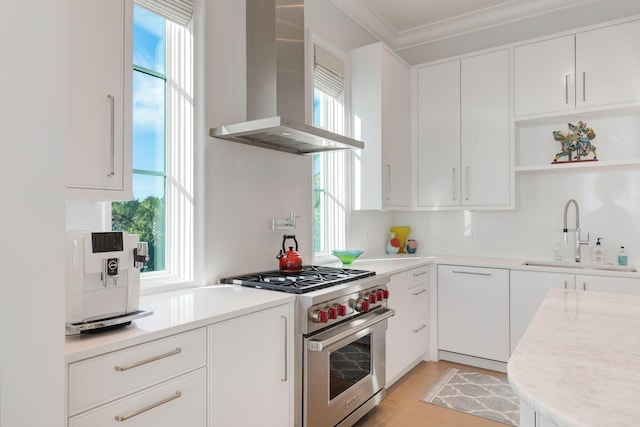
<point x="276" y="85"/>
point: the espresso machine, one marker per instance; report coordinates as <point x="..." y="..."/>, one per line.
<point x="103" y="280"/>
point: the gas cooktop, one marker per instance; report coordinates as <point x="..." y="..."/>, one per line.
<point x="311" y="278"/>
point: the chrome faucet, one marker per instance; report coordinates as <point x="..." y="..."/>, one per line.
<point x="576" y="238"/>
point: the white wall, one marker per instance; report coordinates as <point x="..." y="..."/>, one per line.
<point x="246" y="187"/>
<point x="609" y="202"/>
<point x="33" y="124"/>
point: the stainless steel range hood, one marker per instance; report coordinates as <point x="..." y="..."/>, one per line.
<point x="276" y="85"/>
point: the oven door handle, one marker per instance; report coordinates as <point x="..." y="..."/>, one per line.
<point x="323" y="344"/>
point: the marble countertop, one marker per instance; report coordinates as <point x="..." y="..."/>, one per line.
<point x="578" y="363"/>
<point x="175" y="312"/>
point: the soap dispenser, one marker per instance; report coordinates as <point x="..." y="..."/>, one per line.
<point x="622" y="256"/>
<point x="597" y="255"/>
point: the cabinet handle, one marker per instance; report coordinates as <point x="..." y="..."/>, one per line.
<point x="286" y="346"/>
<point x="566" y="284"/>
<point x="566" y="88"/>
<point x="125" y="417"/>
<point x="422" y="273"/>
<point x="421" y="291"/>
<point x="112" y="131"/>
<point x="387" y="190"/>
<point x="466" y="182"/>
<point x="421" y="327"/>
<point x="453" y="184"/>
<point x="473" y="273"/>
<point x="584" y="85"/>
<point x="584" y="286"/>
<point x="121" y="368"/>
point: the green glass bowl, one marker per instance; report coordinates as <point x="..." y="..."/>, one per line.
<point x="346" y="256"/>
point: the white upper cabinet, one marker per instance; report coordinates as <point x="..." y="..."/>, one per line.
<point x="381" y="104"/>
<point x="608" y="65"/>
<point x="463" y="124"/>
<point x="100" y="104"/>
<point x="545" y="76"/>
<point x="591" y="69"/>
<point x="438" y="118"/>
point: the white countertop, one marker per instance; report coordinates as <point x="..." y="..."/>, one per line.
<point x="391" y="264"/>
<point x="175" y="312"/>
<point x="179" y="311"/>
<point x="578" y="364"/>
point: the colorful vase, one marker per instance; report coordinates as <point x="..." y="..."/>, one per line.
<point x="393" y="244"/>
<point x="402" y="232"/>
<point x="412" y="246"/>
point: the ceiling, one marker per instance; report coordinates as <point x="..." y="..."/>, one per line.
<point x="426" y="30"/>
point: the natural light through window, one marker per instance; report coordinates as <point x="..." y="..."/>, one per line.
<point x="330" y="169"/>
<point x="162" y="209"/>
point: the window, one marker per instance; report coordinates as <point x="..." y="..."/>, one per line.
<point x="331" y="181"/>
<point x="162" y="209"/>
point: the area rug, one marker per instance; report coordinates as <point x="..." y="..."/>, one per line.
<point x="476" y="394"/>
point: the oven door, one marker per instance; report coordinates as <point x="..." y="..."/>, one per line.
<point x="344" y="369"/>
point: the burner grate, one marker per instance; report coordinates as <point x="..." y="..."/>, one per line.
<point x="311" y="278"/>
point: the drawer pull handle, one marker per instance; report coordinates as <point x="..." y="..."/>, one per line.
<point x="121" y="368"/>
<point x="421" y="327"/>
<point x="147" y="408"/>
<point x="473" y="273"/>
<point x="422" y="273"/>
<point x="421" y="291"/>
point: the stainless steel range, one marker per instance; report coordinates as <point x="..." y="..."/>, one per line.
<point x="340" y="340"/>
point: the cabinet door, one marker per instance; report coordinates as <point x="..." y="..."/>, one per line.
<point x="544" y="76"/>
<point x="618" y="285"/>
<point x="396" y="336"/>
<point x="485" y="123"/>
<point x="250" y="369"/>
<point x="396" y="132"/>
<point x="98" y="149"/>
<point x="608" y="65"/>
<point x="381" y="102"/>
<point x="473" y="311"/>
<point x="438" y="117"/>
<point x="527" y="290"/>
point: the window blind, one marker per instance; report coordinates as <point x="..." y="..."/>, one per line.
<point x="178" y="11"/>
<point x="328" y="72"/>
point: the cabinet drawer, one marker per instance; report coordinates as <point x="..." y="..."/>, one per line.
<point x="104" y="378"/>
<point x="179" y="402"/>
<point x="418" y="276"/>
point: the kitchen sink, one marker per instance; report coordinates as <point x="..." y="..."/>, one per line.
<point x="582" y="266"/>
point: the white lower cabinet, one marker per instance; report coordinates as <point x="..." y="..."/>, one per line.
<point x="473" y="311"/>
<point x="618" y="285"/>
<point x="530" y="418"/>
<point x="408" y="331"/>
<point x="527" y="290"/>
<point x="159" y="383"/>
<point x="250" y="370"/>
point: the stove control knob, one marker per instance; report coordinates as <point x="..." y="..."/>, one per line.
<point x="342" y="309"/>
<point x="385" y="293"/>
<point x="333" y="312"/>
<point x="373" y="298"/>
<point x="362" y="305"/>
<point x="380" y="295"/>
<point x="320" y="316"/>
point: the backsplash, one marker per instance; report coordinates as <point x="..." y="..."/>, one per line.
<point x="609" y="201"/>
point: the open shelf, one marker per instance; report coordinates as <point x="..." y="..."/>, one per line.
<point x="569" y="166"/>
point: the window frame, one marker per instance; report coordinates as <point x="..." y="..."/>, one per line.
<point x="179" y="168"/>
